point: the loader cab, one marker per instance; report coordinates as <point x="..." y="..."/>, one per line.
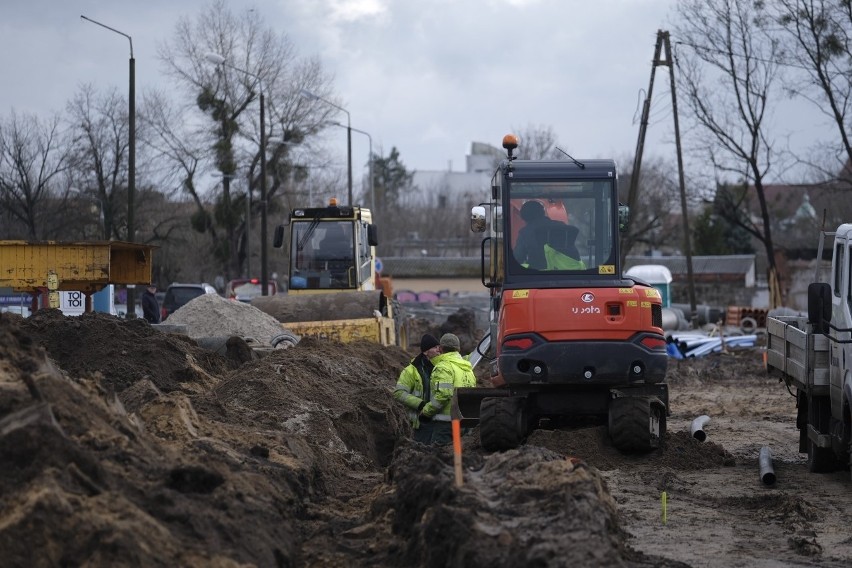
<point x="332" y="249"/>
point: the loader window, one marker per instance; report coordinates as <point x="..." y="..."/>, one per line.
<point x="323" y="256"/>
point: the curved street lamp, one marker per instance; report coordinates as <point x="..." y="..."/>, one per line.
<point x="369" y="164"/>
<point x="217" y="59"/>
<point x="309" y="95"/>
<point x="131" y="157"/>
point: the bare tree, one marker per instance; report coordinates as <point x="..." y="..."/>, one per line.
<point x="651" y="227"/>
<point x="817" y="37"/>
<point x="538" y="143"/>
<point x="32" y="159"/>
<point x="257" y="61"/>
<point x="99" y="153"/>
<point x="727" y="74"/>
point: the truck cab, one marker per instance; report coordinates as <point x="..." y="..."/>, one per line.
<point x="840" y="345"/>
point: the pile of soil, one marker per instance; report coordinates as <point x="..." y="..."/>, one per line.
<point x="122" y="444"/>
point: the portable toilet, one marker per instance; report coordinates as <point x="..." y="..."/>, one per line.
<point x="658" y="276"/>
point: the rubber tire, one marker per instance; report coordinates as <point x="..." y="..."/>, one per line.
<point x="629" y="424"/>
<point x="502" y="424"/>
<point x="285" y="338"/>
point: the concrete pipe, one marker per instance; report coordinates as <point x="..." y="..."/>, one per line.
<point x="674" y="320"/>
<point x="697" y="428"/>
<point x="767" y="472"/>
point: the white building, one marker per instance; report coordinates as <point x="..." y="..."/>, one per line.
<point x="445" y="188"/>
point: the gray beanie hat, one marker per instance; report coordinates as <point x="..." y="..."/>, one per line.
<point x="450" y="341"/>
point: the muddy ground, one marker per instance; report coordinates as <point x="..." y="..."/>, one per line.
<point x="121" y="444"/>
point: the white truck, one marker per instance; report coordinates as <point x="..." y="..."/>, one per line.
<point x="814" y="356"/>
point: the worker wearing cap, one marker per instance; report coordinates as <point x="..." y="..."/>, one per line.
<point x="451" y="372"/>
<point x="413" y="387"/>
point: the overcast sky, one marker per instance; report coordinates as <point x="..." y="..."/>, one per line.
<point x="426" y="76"/>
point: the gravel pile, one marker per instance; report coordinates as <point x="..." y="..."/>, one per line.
<point x="210" y="315"/>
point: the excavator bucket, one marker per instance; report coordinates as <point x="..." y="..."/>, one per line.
<point x="467" y="400"/>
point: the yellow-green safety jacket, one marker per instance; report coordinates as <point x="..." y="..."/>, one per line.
<point x="451" y="371"/>
<point x="559" y="261"/>
<point x="409" y="386"/>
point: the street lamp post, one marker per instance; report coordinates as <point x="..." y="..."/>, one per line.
<point x="369" y="165"/>
<point x="308" y="94"/>
<point x="131" y="159"/>
<point x="264" y="261"/>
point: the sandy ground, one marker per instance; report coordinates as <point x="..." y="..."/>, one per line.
<point x="726" y="516"/>
<point x="125" y="445"/>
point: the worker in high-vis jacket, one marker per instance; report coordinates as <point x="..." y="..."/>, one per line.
<point x="413" y="388"/>
<point x="451" y="372"/>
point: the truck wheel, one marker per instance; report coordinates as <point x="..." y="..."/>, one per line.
<point x="820" y="460"/>
<point x="635" y="424"/>
<point x="502" y="424"/>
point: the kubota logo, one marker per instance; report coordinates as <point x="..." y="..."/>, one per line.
<point x="588" y="297"/>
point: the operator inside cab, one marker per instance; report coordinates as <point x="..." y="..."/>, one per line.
<point x="335" y="252"/>
<point x="543" y="243"/>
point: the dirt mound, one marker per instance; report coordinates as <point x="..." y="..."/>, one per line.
<point x="83" y="483"/>
<point x="679" y="451"/>
<point x="123" y="444"/>
<point x="123" y="351"/>
<point x="525" y="507"/>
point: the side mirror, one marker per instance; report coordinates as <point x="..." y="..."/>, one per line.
<point x="278" y="238"/>
<point x="372" y="236"/>
<point x="478" y="222"/>
<point x="623" y="217"/>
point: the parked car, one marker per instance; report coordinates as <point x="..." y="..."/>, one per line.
<point x="178" y="295"/>
<point x="244" y="289"/>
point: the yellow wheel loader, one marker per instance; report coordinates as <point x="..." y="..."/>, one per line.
<point x="333" y="289"/>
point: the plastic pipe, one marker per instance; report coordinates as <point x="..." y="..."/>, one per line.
<point x="767" y="472"/>
<point x="697" y="428"/>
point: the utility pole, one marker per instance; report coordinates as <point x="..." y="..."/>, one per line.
<point x="687" y="242"/>
<point x="643" y="128"/>
<point x="664" y="45"/>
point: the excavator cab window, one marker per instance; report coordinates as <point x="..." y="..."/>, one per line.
<point x="561" y="226"/>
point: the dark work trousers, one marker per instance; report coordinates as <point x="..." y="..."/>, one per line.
<point x="424" y="433"/>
